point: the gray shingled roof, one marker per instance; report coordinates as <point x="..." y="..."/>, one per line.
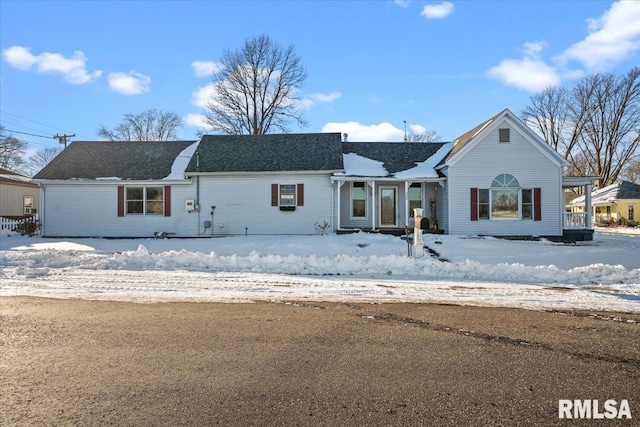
<point x="396" y="156"/>
<point x="269" y="153"/>
<point x="628" y="190"/>
<point x="125" y="160"/>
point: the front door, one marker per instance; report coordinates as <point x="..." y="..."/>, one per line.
<point x="388" y="207"/>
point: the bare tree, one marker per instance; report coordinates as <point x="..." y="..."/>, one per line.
<point x="41" y="159"/>
<point x="257" y="89"/>
<point x="426" y="136"/>
<point x="149" y="125"/>
<point x="12" y="151"/>
<point x="595" y="125"/>
<point x="632" y="172"/>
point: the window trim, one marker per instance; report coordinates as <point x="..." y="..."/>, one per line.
<point x="291" y="192"/>
<point x="123" y="200"/>
<point x="27" y="209"/>
<point x="504" y="135"/>
<point x="417" y="185"/>
<point x="276" y="196"/>
<point x="631" y="214"/>
<point x="503" y="182"/>
<point x="366" y="200"/>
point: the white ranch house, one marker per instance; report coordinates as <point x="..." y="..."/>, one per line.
<point x="498" y="179"/>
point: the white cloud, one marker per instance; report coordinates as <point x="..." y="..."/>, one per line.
<point x="417" y="129"/>
<point x="132" y="83"/>
<point x="533" y="49"/>
<point x="385" y="131"/>
<point x="530" y="74"/>
<point x="74" y="69"/>
<point x="612" y="37"/>
<point x="403" y="3"/>
<point x="201" y="96"/>
<point x="196" y="120"/>
<point x="438" y="11"/>
<point x="206" y="68"/>
<point x="318" y="98"/>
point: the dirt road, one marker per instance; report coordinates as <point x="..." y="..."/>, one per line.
<point x="86" y="363"/>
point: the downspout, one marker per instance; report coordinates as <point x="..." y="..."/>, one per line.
<point x="41" y="211"/>
<point x="333" y="201"/>
<point x="198" y="188"/>
<point x="198" y="201"/>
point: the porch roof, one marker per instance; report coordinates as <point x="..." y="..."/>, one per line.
<point x="403" y="161"/>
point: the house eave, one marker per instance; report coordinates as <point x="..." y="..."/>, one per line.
<point x="351" y="178"/>
<point x="578" y="181"/>
<point x="112" y="182"/>
<point x="244" y="173"/>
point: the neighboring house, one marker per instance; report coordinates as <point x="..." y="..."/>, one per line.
<point x="19" y="196"/>
<point x="614" y="202"/>
<point x="498" y="179"/>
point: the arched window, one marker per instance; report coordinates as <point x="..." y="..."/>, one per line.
<point x="505" y="180"/>
<point x="505" y="191"/>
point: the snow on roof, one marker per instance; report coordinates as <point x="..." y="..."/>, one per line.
<point x="181" y="162"/>
<point x="604" y="195"/>
<point x="15" y="177"/>
<point x="357" y="165"/>
<point x="426" y="169"/>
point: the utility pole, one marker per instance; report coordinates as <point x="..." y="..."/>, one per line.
<point x="63" y="138"/>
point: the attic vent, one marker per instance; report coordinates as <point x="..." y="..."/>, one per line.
<point x="504" y="135"/>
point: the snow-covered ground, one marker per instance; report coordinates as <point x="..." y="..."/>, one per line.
<point x="599" y="275"/>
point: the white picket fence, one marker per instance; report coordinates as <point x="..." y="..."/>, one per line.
<point x="7" y="224"/>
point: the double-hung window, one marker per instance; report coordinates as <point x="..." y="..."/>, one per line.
<point x="144" y="200"/>
<point x="28" y="204"/>
<point x="287" y="195"/>
<point x="415" y="198"/>
<point x="358" y="200"/>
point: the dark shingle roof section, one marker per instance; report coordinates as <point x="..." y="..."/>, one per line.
<point x="125" y="160"/>
<point x="628" y="190"/>
<point x="396" y="156"/>
<point x="269" y="153"/>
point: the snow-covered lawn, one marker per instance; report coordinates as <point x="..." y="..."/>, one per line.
<point x="599" y="275"/>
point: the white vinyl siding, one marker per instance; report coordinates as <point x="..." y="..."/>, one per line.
<point x="12" y="198"/>
<point x="490" y="158"/>
<point x="253" y="213"/>
<point x="91" y="210"/>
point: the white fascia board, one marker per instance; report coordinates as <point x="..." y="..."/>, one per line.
<point x="159" y="182"/>
<point x="351" y="178"/>
<point x="245" y="173"/>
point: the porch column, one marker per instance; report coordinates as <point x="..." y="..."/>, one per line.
<point x="339" y="185"/>
<point x="587" y="205"/>
<point x="374" y="204"/>
<point x="406" y="203"/>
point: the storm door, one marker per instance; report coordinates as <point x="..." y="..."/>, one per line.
<point x="388" y="207"/>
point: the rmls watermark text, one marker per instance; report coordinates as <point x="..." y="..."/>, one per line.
<point x="593" y="409"/>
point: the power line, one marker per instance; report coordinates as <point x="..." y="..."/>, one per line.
<point x="40" y="123"/>
<point x="24" y="118"/>
<point x="31" y="134"/>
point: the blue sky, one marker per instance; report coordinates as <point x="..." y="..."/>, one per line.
<point x="71" y="66"/>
